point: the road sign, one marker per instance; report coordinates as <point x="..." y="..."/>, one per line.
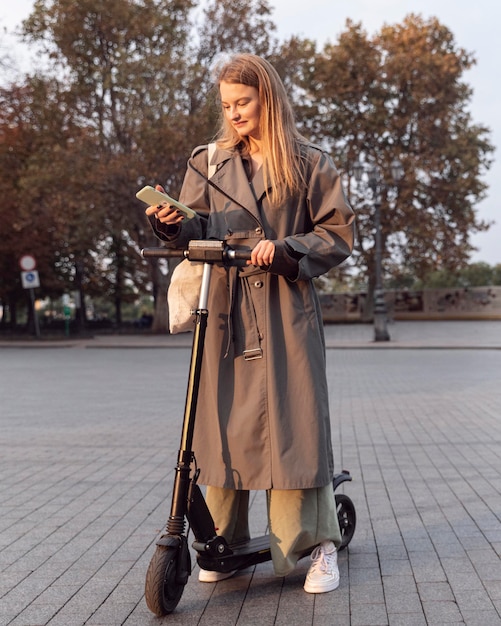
<point x="27" y="262"/>
<point x="30" y="280"/>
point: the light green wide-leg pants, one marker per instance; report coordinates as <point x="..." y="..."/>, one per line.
<point x="298" y="520"/>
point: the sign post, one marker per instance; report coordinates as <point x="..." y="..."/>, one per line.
<point x="30" y="280"/>
<point x="67" y="314"/>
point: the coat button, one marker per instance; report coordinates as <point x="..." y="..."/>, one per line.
<point x="258" y="284"/>
<point x="259" y="231"/>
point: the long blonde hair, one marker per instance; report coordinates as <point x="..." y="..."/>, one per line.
<point x="280" y="138"/>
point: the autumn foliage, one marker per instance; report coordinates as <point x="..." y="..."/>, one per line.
<point x="124" y="93"/>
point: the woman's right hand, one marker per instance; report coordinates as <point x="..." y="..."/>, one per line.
<point x="164" y="213"/>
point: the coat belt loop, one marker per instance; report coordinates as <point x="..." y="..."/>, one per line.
<point x="254" y="353"/>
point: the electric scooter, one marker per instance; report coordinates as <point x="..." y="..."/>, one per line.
<point x="170" y="566"/>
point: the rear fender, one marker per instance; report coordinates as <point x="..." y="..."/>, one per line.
<point x="341" y="478"/>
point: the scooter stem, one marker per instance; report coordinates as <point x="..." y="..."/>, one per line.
<point x="176" y="522"/>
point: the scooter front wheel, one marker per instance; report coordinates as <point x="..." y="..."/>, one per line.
<point x="347" y="518"/>
<point x="162" y="589"/>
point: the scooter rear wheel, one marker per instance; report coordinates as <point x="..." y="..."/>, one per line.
<point x="162" y="591"/>
<point x="347" y="518"/>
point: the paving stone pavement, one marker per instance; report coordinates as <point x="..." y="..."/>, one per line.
<point x="89" y="439"/>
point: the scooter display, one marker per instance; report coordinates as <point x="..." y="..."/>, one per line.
<point x="170" y="565"/>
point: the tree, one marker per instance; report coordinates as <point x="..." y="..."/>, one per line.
<point x="16" y="140"/>
<point x="401" y="95"/>
<point x="33" y="132"/>
<point x="496" y="274"/>
<point x="129" y="93"/>
<point x="121" y="65"/>
<point x="139" y="86"/>
<point x="473" y="275"/>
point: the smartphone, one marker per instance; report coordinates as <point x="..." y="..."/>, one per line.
<point x="151" y="196"/>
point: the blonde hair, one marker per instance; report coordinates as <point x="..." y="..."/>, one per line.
<point x="280" y="138"/>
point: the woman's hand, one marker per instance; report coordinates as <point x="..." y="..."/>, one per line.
<point x="165" y="213"/>
<point x="263" y="254"/>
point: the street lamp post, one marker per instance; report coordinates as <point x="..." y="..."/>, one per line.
<point x="376" y="184"/>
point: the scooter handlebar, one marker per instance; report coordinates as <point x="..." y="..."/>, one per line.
<point x="204" y="251"/>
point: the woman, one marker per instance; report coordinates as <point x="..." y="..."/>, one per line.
<point x="263" y="416"/>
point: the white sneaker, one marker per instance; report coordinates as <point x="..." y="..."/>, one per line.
<point x="208" y="576"/>
<point x="323" y="574"/>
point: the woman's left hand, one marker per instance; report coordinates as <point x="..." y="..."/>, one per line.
<point x="263" y="254"/>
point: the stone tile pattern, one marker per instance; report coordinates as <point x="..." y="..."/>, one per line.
<point x="89" y="439"/>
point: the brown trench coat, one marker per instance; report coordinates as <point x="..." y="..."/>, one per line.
<point x="263" y="412"/>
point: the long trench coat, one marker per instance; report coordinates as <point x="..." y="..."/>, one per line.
<point x="262" y="417"/>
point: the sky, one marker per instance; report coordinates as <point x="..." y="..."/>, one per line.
<point x="474" y="25"/>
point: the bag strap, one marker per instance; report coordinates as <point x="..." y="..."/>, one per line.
<point x="211" y="148"/>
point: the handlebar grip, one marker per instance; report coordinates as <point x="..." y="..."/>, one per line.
<point x="239" y="255"/>
<point x="162" y="253"/>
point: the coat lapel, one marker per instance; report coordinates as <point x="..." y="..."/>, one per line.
<point x="231" y="178"/>
<point x="258" y="184"/>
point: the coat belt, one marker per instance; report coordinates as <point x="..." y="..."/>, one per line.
<point x="252" y="347"/>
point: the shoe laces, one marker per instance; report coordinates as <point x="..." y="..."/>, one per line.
<point x="322" y="560"/>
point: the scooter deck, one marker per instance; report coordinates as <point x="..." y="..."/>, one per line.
<point x="257" y="550"/>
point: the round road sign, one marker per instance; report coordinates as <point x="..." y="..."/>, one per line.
<point x="27" y="263"/>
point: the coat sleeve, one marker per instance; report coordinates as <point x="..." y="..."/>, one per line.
<point x="331" y="239"/>
<point x="194" y="194"/>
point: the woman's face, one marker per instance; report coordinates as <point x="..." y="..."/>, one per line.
<point x="241" y="108"/>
